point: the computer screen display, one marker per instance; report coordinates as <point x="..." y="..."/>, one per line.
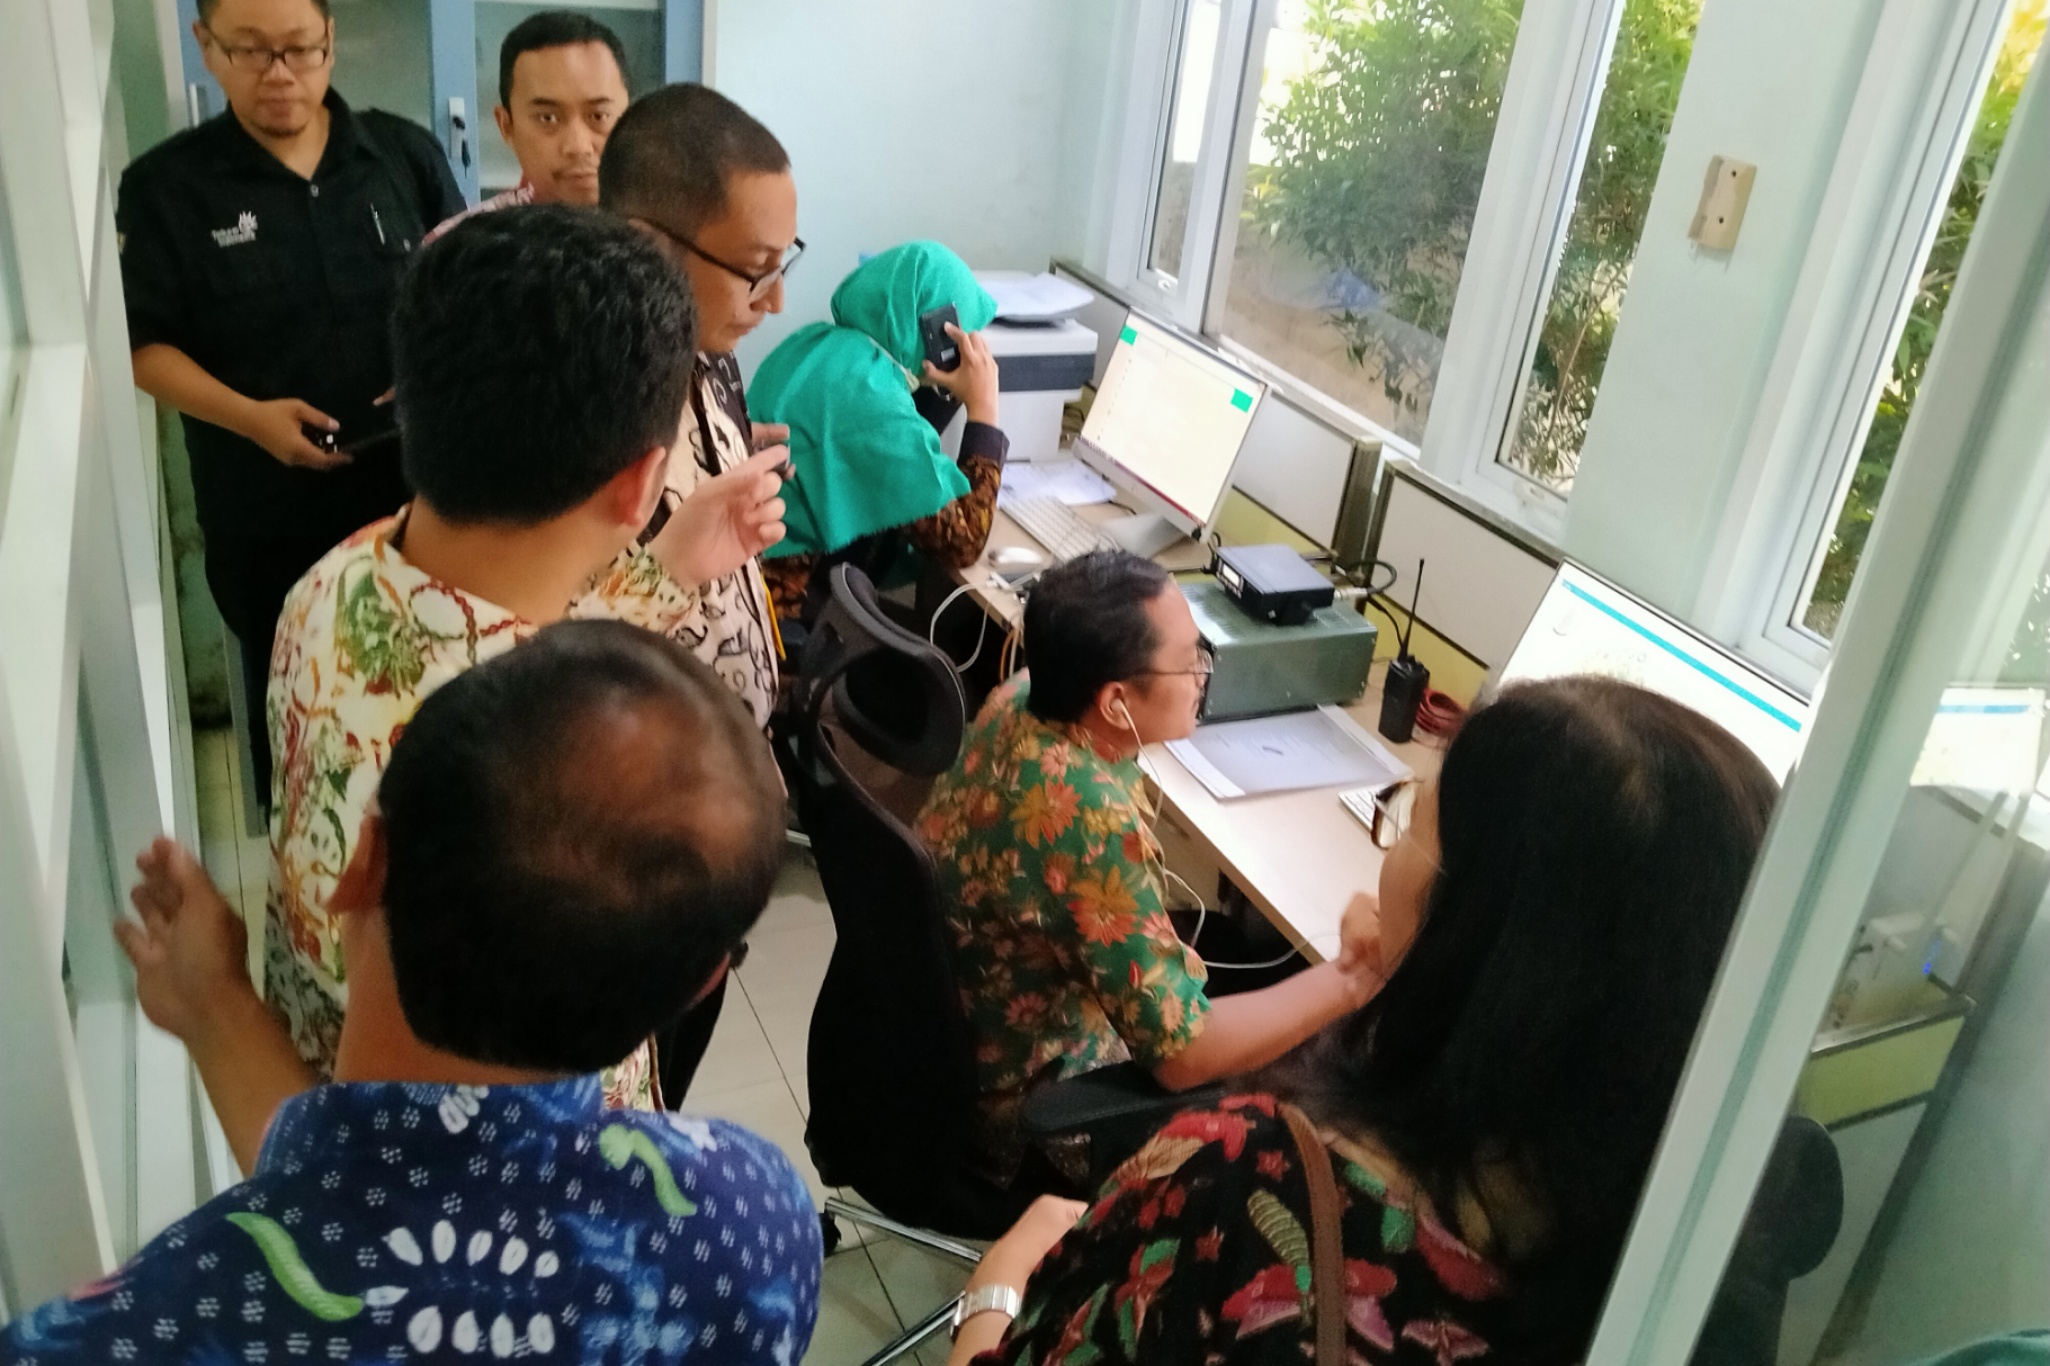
<point x="1172" y="417"/>
<point x="1586" y="626"/>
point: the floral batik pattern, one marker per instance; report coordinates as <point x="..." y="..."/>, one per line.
<point x="1198" y="1249"/>
<point x="393" y="1222"/>
<point x="1065" y="956"/>
<point x="364" y="638"/>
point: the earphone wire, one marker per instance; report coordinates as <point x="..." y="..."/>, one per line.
<point x="1158" y="862"/>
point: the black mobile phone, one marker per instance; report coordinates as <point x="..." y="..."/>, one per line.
<point x="321" y="437"/>
<point x="940" y="349"/>
<point x="363" y="445"/>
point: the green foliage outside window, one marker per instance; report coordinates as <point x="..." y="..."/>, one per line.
<point x="1378" y="158"/>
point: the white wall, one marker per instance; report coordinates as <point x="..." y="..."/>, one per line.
<point x="1770" y="82"/>
<point x="381" y="56"/>
<point x="973" y="122"/>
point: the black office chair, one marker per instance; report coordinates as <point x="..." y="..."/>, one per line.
<point x="1793" y="1220"/>
<point x="891" y="1063"/>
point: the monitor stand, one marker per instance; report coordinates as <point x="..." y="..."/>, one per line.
<point x="1145" y="534"/>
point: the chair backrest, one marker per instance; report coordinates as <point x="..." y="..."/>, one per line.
<point x="897" y="695"/>
<point x="892" y="1077"/>
<point x="1794" y="1218"/>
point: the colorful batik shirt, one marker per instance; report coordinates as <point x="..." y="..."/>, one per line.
<point x="363" y="639"/>
<point x="730" y="626"/>
<point x="1198" y="1250"/>
<point x="392" y="1222"/>
<point x="522" y="193"/>
<point x="1066" y="959"/>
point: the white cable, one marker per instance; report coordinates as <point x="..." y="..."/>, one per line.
<point x="932" y="629"/>
<point x="1160" y="866"/>
<point x="1270" y="963"/>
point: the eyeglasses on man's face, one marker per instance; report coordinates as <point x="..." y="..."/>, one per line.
<point x="1201" y="670"/>
<point x="259" y="59"/>
<point x="759" y="283"/>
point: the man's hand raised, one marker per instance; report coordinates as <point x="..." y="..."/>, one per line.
<point x="725" y="522"/>
<point x="188" y="946"/>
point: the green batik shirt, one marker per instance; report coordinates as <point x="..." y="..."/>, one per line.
<point x="1065" y="956"/>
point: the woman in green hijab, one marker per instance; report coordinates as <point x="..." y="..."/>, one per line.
<point x="865" y="410"/>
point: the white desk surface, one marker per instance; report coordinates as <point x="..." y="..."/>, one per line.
<point x="1299" y="856"/>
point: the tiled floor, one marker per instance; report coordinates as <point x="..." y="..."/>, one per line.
<point x="753" y="1073"/>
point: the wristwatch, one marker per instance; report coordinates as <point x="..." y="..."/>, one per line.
<point x="986" y="1299"/>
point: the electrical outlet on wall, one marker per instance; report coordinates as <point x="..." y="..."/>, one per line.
<point x="1724" y="194"/>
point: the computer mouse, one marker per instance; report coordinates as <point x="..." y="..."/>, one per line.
<point x="1016" y="557"/>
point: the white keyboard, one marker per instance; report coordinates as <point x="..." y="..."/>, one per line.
<point x="1063" y="531"/>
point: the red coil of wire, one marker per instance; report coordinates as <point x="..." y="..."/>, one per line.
<point x="1439" y="715"/>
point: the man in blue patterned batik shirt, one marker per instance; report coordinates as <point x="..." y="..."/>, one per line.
<point x="569" y="841"/>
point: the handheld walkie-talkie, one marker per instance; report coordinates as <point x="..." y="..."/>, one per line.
<point x="1402" y="691"/>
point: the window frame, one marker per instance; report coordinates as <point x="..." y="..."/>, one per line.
<point x="1183" y="297"/>
<point x="1944" y="113"/>
<point x="1550" y="99"/>
<point x="1915" y="106"/>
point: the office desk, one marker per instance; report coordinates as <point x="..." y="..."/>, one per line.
<point x="1298" y="856"/>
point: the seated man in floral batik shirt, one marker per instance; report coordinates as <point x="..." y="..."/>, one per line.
<point x="1046" y="863"/>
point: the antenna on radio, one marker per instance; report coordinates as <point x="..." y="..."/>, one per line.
<point x="1409" y="626"/>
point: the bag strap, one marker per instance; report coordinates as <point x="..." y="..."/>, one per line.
<point x="1327" y="1247"/>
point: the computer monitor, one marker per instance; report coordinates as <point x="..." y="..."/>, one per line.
<point x="1584" y="625"/>
<point x="1166" y="427"/>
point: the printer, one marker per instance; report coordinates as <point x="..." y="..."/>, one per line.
<point x="1043" y="362"/>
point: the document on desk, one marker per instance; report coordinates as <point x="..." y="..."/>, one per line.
<point x="1287" y="753"/>
<point x="1068" y="481"/>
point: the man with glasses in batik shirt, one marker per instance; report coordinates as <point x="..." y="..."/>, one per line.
<point x="259" y="253"/>
<point x="1050" y="876"/>
<point x="713" y="188"/>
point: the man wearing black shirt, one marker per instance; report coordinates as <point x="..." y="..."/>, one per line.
<point x="259" y="253"/>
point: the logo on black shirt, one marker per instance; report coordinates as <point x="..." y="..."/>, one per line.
<point x="243" y="231"/>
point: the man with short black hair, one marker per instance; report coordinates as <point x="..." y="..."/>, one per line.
<point x="259" y="255"/>
<point x="561" y="87"/>
<point x="1047" y="866"/>
<point x="713" y="188"/>
<point x="542" y="356"/>
<point x="572" y="839"/>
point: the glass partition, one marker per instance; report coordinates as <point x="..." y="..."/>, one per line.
<point x="1854" y="1172"/>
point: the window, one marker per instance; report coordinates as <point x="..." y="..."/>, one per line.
<point x="1628" y="143"/>
<point x="1195" y="66"/>
<point x="1836" y="563"/>
<point x="1363" y="172"/>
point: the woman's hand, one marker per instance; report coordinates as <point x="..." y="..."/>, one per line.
<point x="725" y="522"/>
<point x="1360" y="961"/>
<point x="1011" y="1261"/>
<point x="974" y="380"/>
<point x="1012" y="1258"/>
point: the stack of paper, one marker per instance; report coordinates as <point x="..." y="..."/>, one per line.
<point x="1067" y="481"/>
<point x="1287" y="753"/>
<point x="1043" y="298"/>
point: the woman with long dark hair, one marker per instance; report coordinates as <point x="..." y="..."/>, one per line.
<point x="1479" y="1133"/>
